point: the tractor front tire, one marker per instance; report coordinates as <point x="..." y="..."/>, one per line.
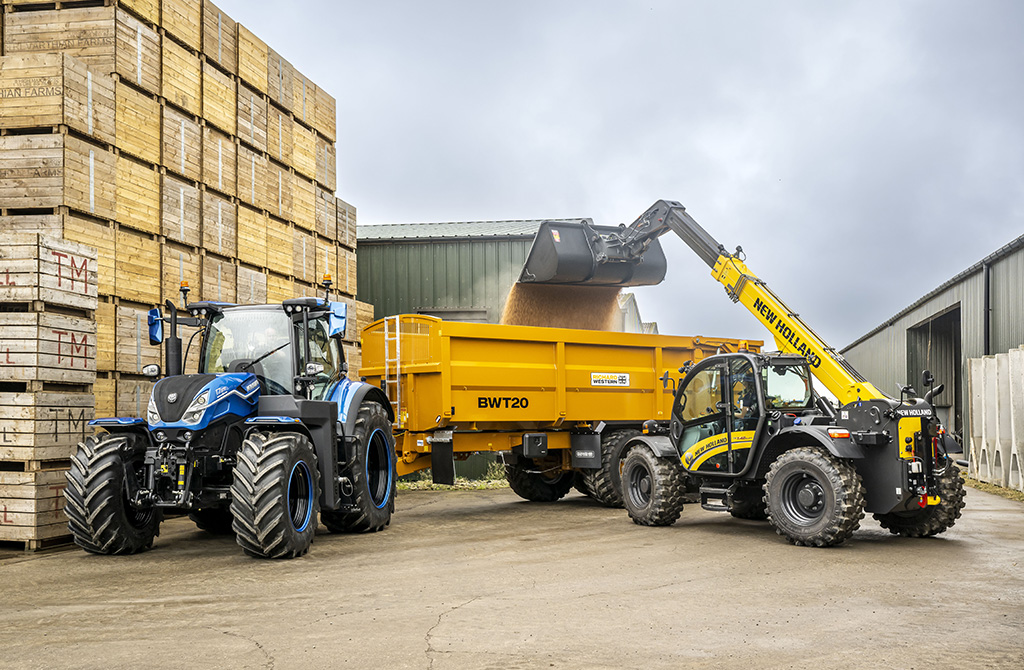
<point x="531" y="482"/>
<point x="813" y="498"/>
<point x="653" y="488"/>
<point x="606" y="481"/>
<point x="373" y="477"/>
<point x="933" y="519"/>
<point x="275" y="495"/>
<point x="100" y="517"/>
<point x="214" y="520"/>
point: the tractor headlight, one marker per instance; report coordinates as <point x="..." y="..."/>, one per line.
<point x="152" y="414"/>
<point x="195" y="411"/>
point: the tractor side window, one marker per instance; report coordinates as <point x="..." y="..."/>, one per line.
<point x="745" y="407"/>
<point x="323" y="350"/>
<point x="700" y="396"/>
<point x="787" y="387"/>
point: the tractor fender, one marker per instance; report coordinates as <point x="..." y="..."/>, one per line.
<point x="806" y="436"/>
<point x="116" y="425"/>
<point x="661" y="445"/>
<point x="351" y="395"/>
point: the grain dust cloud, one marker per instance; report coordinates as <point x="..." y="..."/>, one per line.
<point x="554" y="306"/>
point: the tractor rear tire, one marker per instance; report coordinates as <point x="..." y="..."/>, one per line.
<point x="214" y="520"/>
<point x="606" y="481"/>
<point x="100" y="517"/>
<point x="813" y="498"/>
<point x="528" y="481"/>
<point x="934" y="519"/>
<point x="652" y="487"/>
<point x="275" y="495"/>
<point x="373" y="477"/>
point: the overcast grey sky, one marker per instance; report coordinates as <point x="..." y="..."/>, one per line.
<point x="862" y="153"/>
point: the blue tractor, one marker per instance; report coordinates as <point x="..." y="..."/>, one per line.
<point x="266" y="441"/>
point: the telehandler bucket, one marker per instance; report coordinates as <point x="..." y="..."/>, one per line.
<point x="580" y="253"/>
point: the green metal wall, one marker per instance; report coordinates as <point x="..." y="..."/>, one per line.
<point x="416" y="276"/>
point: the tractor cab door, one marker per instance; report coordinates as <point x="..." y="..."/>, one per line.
<point x="716" y="415"/>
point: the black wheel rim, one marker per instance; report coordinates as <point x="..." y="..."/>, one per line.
<point x="803" y="498"/>
<point x="300" y="496"/>
<point x="378" y="468"/>
<point x="641" y="483"/>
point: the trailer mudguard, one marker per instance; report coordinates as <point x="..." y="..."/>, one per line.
<point x="661" y="445"/>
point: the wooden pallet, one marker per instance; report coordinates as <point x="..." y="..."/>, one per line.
<point x="280" y="80"/>
<point x="279" y="135"/>
<point x="252" y="237"/>
<point x="35" y="267"/>
<point x="326" y="214"/>
<point x="138" y="189"/>
<point x="137" y="271"/>
<point x="303" y="257"/>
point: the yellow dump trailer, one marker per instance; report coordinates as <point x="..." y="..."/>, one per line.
<point x="552" y="398"/>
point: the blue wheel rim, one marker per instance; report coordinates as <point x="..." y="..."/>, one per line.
<point x="378" y="468"/>
<point x="300" y="496"/>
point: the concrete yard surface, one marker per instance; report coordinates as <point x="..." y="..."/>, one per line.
<point x="482" y="579"/>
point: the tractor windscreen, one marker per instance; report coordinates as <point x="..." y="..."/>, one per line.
<point x="257" y="341"/>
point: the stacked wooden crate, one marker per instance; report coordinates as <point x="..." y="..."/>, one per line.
<point x="180" y="146"/>
<point x="48" y="299"/>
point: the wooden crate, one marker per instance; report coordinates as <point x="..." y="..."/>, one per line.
<point x="304" y="150"/>
<point x="219" y="279"/>
<point x="137" y="53"/>
<point x="182" y="144"/>
<point x="252" y="117"/>
<point x="147" y="9"/>
<point x="133" y="394"/>
<point x="32" y="507"/>
<point x="326" y="214"/>
<point x="180" y="218"/>
<point x="219" y="94"/>
<point x="279" y="246"/>
<point x="279" y="289"/>
<point x="138" y="188"/>
<point x="138" y="123"/>
<point x="85" y="33"/>
<point x="98" y="235"/>
<point x="220" y="38"/>
<point x="56" y="170"/>
<point x="47" y="347"/>
<point x="182" y="77"/>
<point x="137" y="267"/>
<point x="106" y="325"/>
<point x="180" y="263"/>
<point x="183" y="19"/>
<point x="280" y="190"/>
<point x="346" y="224"/>
<point x="45" y="90"/>
<point x="251" y="287"/>
<point x="279" y="135"/>
<point x="220" y="224"/>
<point x="35" y="267"/>
<point x="346" y="276"/>
<point x="303" y="203"/>
<point x="303" y="99"/>
<point x="304" y="251"/>
<point x="252" y="59"/>
<point x="326" y="164"/>
<point x="45" y="224"/>
<point x="105" y="392"/>
<point x="280" y="76"/>
<point x="252" y="237"/>
<point x="132" y="350"/>
<point x="43" y="426"/>
<point x="326" y="120"/>
<point x="253" y="176"/>
<point x="220" y="156"/>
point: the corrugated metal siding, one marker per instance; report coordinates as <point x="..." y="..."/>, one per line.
<point x="406" y="277"/>
<point x="1007" y="299"/>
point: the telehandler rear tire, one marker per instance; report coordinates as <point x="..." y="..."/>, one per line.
<point x="813" y="498"/>
<point x="606" y="481"/>
<point x="100" y="517"/>
<point x="934" y="519"/>
<point x="531" y="482"/>
<point x="652" y="488"/>
<point x="373" y="476"/>
<point x="275" y="495"/>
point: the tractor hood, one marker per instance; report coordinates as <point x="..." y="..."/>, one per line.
<point x="194" y="401"/>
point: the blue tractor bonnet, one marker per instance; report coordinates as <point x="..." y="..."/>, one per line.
<point x="235" y="393"/>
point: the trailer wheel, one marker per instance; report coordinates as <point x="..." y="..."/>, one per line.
<point x="372" y="474"/>
<point x="214" y="520"/>
<point x="100" y="517"/>
<point x="652" y="488"/>
<point x="934" y="519"/>
<point x="275" y="495"/>
<point x="532" y="482"/>
<point x="813" y="499"/>
<point x="606" y="481"/>
<point x="579" y="482"/>
<point x="747" y="502"/>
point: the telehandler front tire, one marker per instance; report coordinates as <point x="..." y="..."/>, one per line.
<point x="934" y="519"/>
<point x="275" y="495"/>
<point x="652" y="488"/>
<point x="813" y="498"/>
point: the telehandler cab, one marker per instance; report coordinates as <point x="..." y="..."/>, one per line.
<point x="748" y="433"/>
<point x="268" y="434"/>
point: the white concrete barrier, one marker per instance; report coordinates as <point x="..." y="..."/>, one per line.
<point x="977" y="457"/>
<point x="996" y="397"/>
<point x="1016" y="357"/>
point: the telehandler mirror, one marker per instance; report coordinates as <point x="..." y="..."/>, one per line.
<point x="927" y="379"/>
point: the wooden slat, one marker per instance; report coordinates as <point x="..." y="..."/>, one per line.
<point x="280" y="80"/>
<point x="220" y="224"/>
<point x="184" y="20"/>
<point x="182" y="77"/>
<point x="279" y="289"/>
<point x="220" y="155"/>
<point x="326" y="120"/>
<point x="180" y="219"/>
<point x="220" y="38"/>
<point x="45" y="224"/>
<point x="304" y="150"/>
<point x="147" y="9"/>
<point x="138" y="123"/>
<point x="100" y="236"/>
<point x="54" y="271"/>
<point x="132" y="349"/>
<point x="90" y="175"/>
<point x="41" y="426"/>
<point x="219" y="107"/>
<point x="253" y="175"/>
<point x="252" y="59"/>
<point x="85" y="33"/>
<point x="251" y="287"/>
<point x="138" y="55"/>
<point x="106" y="324"/>
<point x="279" y="135"/>
<point x="47" y="347"/>
<point x="133" y="396"/>
<point x="105" y="392"/>
<point x="346" y="276"/>
<point x="346" y="224"/>
<point x="180" y="263"/>
<point x="280" y="188"/>
<point x="303" y="203"/>
<point x="137" y="270"/>
<point x="303" y="98"/>
<point x="219" y="277"/>
<point x="138" y="186"/>
<point x="252" y="118"/>
<point x="326" y="164"/>
<point x="326" y="214"/>
<point x="279" y="244"/>
<point x="304" y="251"/>
<point x="252" y="237"/>
<point x="182" y="144"/>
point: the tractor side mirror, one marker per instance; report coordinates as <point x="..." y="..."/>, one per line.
<point x="155" y="321"/>
<point x="151" y="370"/>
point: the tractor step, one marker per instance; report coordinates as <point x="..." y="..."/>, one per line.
<point x="713" y="498"/>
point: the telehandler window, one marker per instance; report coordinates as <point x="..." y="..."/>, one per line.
<point x="787" y="387"/>
<point x="701" y="396"/>
<point x="745" y="407"/>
